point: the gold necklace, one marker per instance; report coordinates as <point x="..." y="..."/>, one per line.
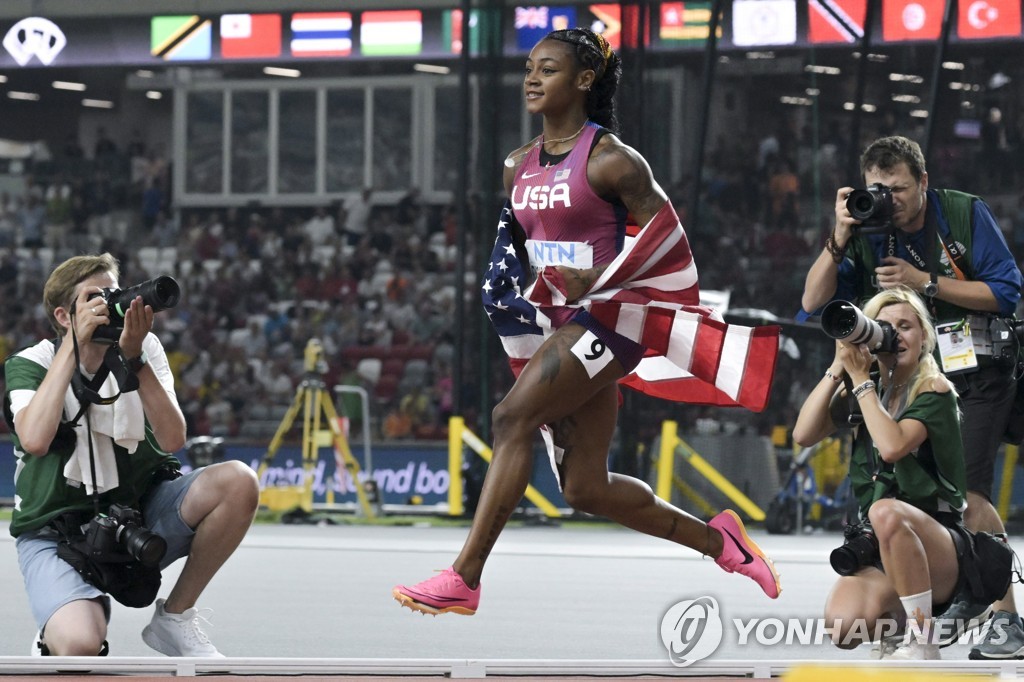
<point x="563" y="139"/>
<point x="510" y="161"/>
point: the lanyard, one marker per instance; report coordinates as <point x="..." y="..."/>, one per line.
<point x="918" y="261"/>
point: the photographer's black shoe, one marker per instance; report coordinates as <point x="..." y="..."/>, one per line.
<point x="963" y="615"/>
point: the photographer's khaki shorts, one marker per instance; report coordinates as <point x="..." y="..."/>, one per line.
<point x="51" y="582"/>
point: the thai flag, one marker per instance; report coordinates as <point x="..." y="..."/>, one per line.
<point x="321" y="34"/>
<point x="649" y="294"/>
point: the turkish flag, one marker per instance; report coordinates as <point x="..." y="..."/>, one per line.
<point x="912" y="19"/>
<point x="249" y="36"/>
<point x="989" y="19"/>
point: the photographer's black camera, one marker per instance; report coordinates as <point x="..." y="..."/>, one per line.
<point x="121" y="528"/>
<point x="844" y="321"/>
<point x="860" y="549"/>
<point x="159" y="293"/>
<point x="872" y="207"/>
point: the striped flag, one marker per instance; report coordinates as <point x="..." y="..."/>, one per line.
<point x="180" y="37"/>
<point x="321" y="34"/>
<point x="648" y="294"/>
<point x="391" y="33"/>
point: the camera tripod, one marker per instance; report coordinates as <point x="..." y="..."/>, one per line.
<point x="314" y="401"/>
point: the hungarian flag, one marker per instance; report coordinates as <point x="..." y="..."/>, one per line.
<point x="989" y="19"/>
<point x="391" y="33"/>
<point x="250" y="36"/>
<point x="648" y="294"/>
<point x="912" y="19"/>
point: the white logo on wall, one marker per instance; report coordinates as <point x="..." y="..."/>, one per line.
<point x="36" y="37"/>
<point x="691" y="630"/>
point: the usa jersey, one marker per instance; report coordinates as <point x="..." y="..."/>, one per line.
<point x="565" y="222"/>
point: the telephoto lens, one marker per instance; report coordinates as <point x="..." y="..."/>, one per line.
<point x="844" y="321"/>
<point x="159" y="293"/>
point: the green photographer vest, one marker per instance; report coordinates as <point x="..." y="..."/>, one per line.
<point x="957" y="208"/>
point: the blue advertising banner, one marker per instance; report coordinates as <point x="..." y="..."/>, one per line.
<point x="404" y="473"/>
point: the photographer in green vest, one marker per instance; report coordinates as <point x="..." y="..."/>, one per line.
<point x="946" y="246"/>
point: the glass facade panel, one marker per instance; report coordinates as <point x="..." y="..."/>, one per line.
<point x="204" y="149"/>
<point x="346" y="141"/>
<point x="446" y="134"/>
<point x="296" y="150"/>
<point x="249" y="142"/>
<point x="392" y="138"/>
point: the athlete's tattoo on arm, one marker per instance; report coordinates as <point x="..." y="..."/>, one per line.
<point x="634" y="184"/>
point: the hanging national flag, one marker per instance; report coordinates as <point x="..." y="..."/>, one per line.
<point x="608" y="22"/>
<point x="451" y="31"/>
<point x="321" y="34"/>
<point x="758" y="23"/>
<point x="391" y="33"/>
<point x="989" y="19"/>
<point x="648" y="294"/>
<point x="836" y="21"/>
<point x="250" y="36"/>
<point x="534" y="22"/>
<point x="912" y="19"/>
<point x="686" y="22"/>
<point x="180" y="38"/>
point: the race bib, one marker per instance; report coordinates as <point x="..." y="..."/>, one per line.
<point x="577" y="255"/>
<point x="592" y="352"/>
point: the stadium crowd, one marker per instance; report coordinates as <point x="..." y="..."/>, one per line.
<point x="376" y="283"/>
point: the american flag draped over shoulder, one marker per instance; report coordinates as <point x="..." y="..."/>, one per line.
<point x="648" y="294"/>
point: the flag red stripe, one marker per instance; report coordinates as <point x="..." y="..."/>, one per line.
<point x="757" y="379"/>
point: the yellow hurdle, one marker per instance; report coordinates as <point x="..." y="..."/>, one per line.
<point x="672" y="443"/>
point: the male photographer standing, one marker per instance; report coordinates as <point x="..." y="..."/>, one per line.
<point x="947" y="246"/>
<point x="85" y="459"/>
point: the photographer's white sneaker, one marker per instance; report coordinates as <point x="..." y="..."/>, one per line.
<point x="915" y="650"/>
<point x="179" y="634"/>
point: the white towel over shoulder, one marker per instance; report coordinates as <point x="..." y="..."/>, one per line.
<point x="122" y="422"/>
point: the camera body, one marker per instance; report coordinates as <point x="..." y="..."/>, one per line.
<point x="1007" y="341"/>
<point x="844" y="321"/>
<point x="859" y="549"/>
<point x="121" y="528"/>
<point x="873" y="207"/>
<point x="159" y="293"/>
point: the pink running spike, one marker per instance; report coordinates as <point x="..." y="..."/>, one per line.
<point x="741" y="555"/>
<point x="446" y="592"/>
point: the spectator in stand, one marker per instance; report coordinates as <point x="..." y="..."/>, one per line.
<point x="31" y="221"/>
<point x="319" y="229"/>
<point x="152" y="204"/>
<point x="408" y="207"/>
<point x="105" y="146"/>
<point x="357" y="210"/>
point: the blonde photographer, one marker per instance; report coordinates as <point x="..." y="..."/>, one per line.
<point x="907" y="471"/>
<point x="95" y="420"/>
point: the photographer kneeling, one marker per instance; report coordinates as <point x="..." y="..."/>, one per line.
<point x="907" y="471"/>
<point x="99" y="499"/>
